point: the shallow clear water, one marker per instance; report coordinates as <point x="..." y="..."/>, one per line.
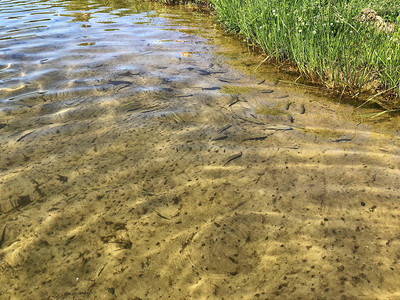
<point x="144" y="155"/>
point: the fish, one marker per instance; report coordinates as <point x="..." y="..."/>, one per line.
<point x="279" y="127"/>
<point x="267" y="91"/>
<point x="290" y="117"/>
<point x="224" y="128"/>
<point x="288" y="105"/>
<point x="167" y="89"/>
<point x="343" y="140"/>
<point x="261" y="82"/>
<point x="232" y="260"/>
<point x="204" y="72"/>
<point x="161" y="216"/>
<point x="233" y="101"/>
<point x="226" y="80"/>
<point x="283" y="97"/>
<point x="252" y="120"/>
<point x="3" y="235"/>
<point x="302" y="109"/>
<point x="214" y="88"/>
<point x="119" y="82"/>
<point x="220" y="138"/>
<point x="233" y="157"/>
<point x="24" y="136"/>
<point x="255" y="137"/>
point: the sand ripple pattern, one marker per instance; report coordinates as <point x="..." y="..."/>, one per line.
<point x="141" y="157"/>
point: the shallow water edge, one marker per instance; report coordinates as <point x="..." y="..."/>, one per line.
<point x="143" y="158"/>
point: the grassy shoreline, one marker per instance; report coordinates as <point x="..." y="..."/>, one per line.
<point x="324" y="40"/>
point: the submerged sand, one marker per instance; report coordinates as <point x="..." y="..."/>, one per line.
<point x="167" y="171"/>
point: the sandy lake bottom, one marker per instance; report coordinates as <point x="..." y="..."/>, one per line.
<point x="142" y="157"/>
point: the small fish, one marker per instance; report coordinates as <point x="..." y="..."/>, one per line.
<point x="232" y="260"/>
<point x="283" y="97"/>
<point x="184" y="96"/>
<point x="226" y="80"/>
<point x="220" y="138"/>
<point x="277" y="81"/>
<point x="279" y="127"/>
<point x="291" y="119"/>
<point x="252" y="120"/>
<point x="161" y="216"/>
<point x="267" y="91"/>
<point x="214" y="88"/>
<point x="24" y="136"/>
<point x="204" y="72"/>
<point x="224" y="128"/>
<point x="233" y="101"/>
<point x="233" y="157"/>
<point x="118" y="82"/>
<point x="256" y="138"/>
<point x="3" y="235"/>
<point x="262" y="81"/>
<point x="343" y="140"/>
<point x="302" y="109"/>
<point x="288" y="105"/>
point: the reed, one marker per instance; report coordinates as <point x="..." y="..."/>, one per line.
<point x="323" y="39"/>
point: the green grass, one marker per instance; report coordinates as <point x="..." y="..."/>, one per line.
<point x="323" y="39"/>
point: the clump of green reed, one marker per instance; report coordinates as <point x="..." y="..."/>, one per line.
<point x="322" y="37"/>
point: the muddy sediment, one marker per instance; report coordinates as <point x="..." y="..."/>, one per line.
<point x="168" y="171"/>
